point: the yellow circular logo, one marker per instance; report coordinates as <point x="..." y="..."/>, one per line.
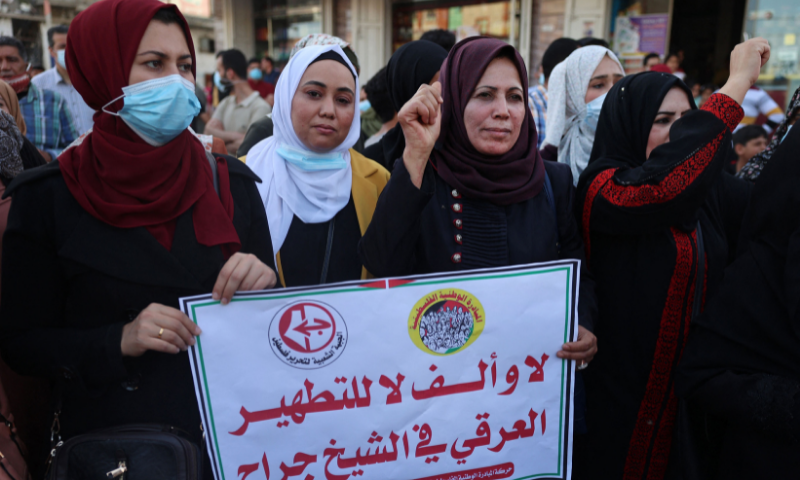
<point x="446" y="321"/>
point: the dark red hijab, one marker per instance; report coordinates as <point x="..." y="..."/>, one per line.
<point x="113" y="174"/>
<point x="513" y="177"/>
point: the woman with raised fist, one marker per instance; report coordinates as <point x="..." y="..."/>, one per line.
<point x="471" y="190"/>
<point x="660" y="221"/>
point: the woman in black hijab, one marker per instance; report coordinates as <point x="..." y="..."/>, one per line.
<point x="414" y="64"/>
<point x="653" y="191"/>
<point x="742" y="363"/>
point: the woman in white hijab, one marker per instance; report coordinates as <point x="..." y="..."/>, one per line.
<point x="578" y="87"/>
<point x="319" y="193"/>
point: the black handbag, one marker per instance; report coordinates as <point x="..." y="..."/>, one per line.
<point x="129" y="452"/>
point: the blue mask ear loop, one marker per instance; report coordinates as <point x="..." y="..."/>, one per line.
<point x="111" y="102"/>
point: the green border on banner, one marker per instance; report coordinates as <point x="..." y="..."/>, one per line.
<point x="569" y="282"/>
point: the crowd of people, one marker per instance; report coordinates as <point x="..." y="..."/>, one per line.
<point x="448" y="159"/>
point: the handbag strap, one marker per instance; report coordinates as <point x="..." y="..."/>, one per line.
<point x="701" y="274"/>
<point x="328" y="247"/>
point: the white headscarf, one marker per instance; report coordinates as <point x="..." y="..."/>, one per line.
<point x="566" y="108"/>
<point x="287" y="191"/>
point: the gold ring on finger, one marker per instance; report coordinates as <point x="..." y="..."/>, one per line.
<point x="160" y="332"/>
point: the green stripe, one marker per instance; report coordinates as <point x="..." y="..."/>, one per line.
<point x="208" y="398"/>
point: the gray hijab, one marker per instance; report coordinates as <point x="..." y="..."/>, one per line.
<point x="10" y="146"/>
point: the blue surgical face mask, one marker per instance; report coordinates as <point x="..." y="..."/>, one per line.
<point x="255" y="74"/>
<point x="364" y="106"/>
<point x="541" y="79"/>
<point x="60" y="58"/>
<point x="593" y="109"/>
<point x="312" y="162"/>
<point x="158" y="110"/>
<point x="218" y="82"/>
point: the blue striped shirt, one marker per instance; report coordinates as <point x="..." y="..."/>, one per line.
<point x="81" y="113"/>
<point x="48" y="119"/>
<point x="537" y="101"/>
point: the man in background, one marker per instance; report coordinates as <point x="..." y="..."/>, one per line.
<point x="748" y="142"/>
<point x="47" y="116"/>
<point x="270" y="73"/>
<point x="557" y="52"/>
<point x="651" y="60"/>
<point x="57" y="80"/>
<point x="242" y="107"/>
<point x="255" y="77"/>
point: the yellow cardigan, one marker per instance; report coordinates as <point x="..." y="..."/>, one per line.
<point x="369" y="179"/>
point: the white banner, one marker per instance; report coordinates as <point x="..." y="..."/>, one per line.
<point x="437" y="377"/>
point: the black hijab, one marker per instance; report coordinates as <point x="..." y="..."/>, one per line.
<point x="411" y="66"/>
<point x="620" y="143"/>
<point x="625" y="122"/>
<point x="753" y="324"/>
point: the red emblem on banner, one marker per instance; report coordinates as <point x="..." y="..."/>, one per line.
<point x="307" y="327"/>
<point x="308" y="334"/>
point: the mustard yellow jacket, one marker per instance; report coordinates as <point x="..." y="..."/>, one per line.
<point x="369" y="179"/>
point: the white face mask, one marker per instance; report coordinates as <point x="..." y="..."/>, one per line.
<point x="593" y="110"/>
<point x="60" y="58"/>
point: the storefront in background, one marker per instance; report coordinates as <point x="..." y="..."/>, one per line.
<point x="703" y="33"/>
<point x="506" y="20"/>
<point x="638" y="29"/>
<point x="779" y="22"/>
<point x="279" y="24"/>
<point x="376" y="28"/>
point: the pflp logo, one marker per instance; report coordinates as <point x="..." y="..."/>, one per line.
<point x="307" y="334"/>
<point x="446" y="321"/>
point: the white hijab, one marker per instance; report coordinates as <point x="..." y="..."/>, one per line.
<point x="287" y="191"/>
<point x="566" y="108"/>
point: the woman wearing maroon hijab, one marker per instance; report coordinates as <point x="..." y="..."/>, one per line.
<point x="101" y="243"/>
<point x="471" y="190"/>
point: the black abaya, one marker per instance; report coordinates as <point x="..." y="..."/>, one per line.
<point x="742" y="362"/>
<point x="303" y="251"/>
<point x="640" y="219"/>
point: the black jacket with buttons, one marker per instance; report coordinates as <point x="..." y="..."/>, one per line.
<point x="434" y="229"/>
<point x="71" y="282"/>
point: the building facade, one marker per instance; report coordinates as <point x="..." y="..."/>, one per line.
<point x="702" y="32"/>
<point x="28" y="21"/>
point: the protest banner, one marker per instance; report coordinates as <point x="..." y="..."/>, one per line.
<point x="437" y="377"/>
